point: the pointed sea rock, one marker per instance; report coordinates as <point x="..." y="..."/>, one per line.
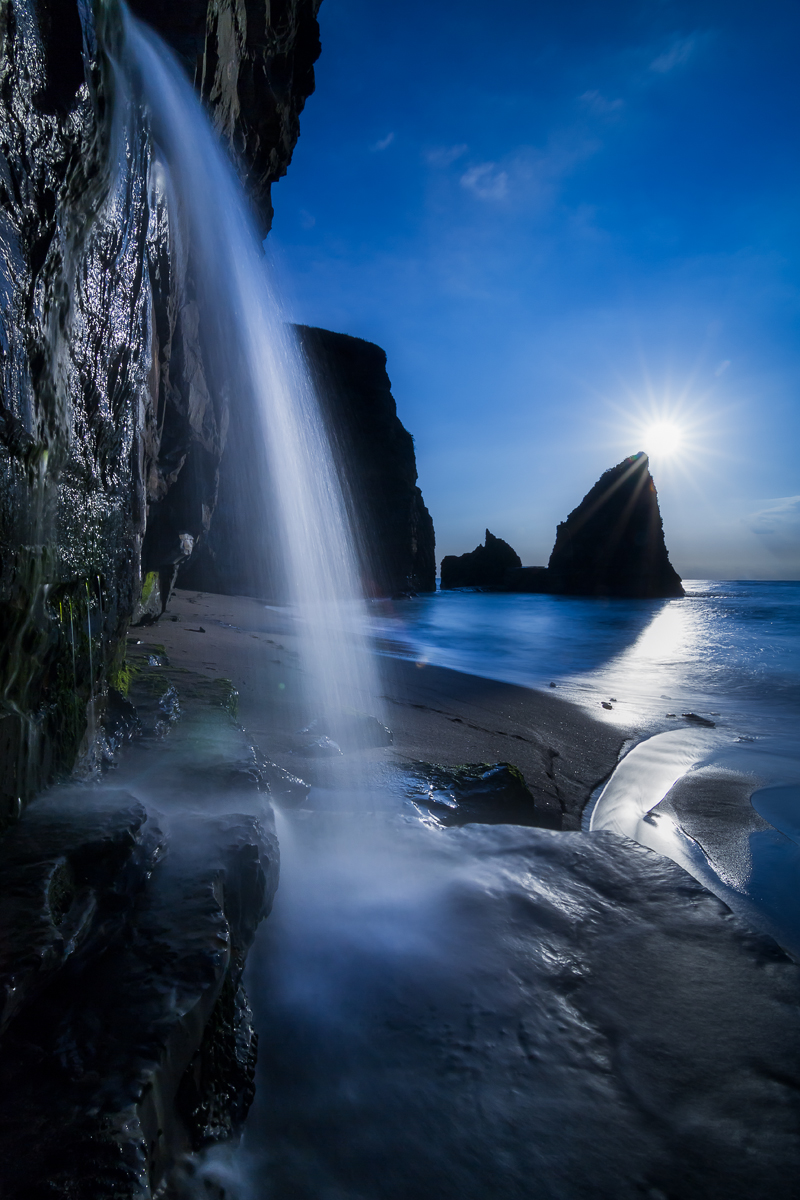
<point x="613" y="544"/>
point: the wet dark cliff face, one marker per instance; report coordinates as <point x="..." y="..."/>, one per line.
<point x="253" y="63"/>
<point x="110" y="441"/>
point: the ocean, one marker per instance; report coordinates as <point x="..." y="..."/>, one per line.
<point x="728" y="653"/>
<point x="505" y="1011"/>
<point x="729" y="648"/>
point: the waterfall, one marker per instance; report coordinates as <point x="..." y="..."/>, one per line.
<point x="252" y="354"/>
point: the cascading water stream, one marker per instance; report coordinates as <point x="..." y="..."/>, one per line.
<point x="251" y="354"/>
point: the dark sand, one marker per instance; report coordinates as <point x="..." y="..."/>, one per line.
<point x="436" y="715"/>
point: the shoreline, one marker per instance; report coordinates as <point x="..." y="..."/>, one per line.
<point x="436" y="714"/>
<point x="701" y="818"/>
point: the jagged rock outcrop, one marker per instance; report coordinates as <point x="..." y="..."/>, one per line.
<point x="110" y="438"/>
<point x="253" y="63"/>
<point x="613" y="544"/>
<point x="377" y="462"/>
<point x="126" y="1035"/>
<point x="485" y="566"/>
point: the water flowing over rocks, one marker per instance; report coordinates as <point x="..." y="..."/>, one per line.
<point x="253" y="63"/>
<point x="127" y="913"/>
<point x="110" y="438"/>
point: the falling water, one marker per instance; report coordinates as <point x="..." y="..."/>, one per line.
<point x="251" y="354"/>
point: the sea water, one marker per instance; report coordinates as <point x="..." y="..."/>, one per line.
<point x="728" y="648"/>
<point x="728" y="653"/>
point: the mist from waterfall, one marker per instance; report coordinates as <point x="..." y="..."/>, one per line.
<point x="252" y="356"/>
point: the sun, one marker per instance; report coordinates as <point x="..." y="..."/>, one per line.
<point x="663" y="439"/>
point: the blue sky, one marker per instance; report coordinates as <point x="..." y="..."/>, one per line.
<point x="564" y="221"/>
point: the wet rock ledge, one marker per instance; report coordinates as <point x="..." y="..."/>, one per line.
<point x="127" y="911"/>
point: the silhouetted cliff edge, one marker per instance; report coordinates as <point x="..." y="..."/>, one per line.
<point x="377" y="463"/>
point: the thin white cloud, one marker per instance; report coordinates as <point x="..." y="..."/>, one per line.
<point x="678" y="53"/>
<point x="597" y="103"/>
<point x="486" y="180"/>
<point x="307" y="221"/>
<point x="778" y="526"/>
<point x="445" y="156"/>
<point x="382" y="143"/>
<point x="722" y="367"/>
<point x="528" y="175"/>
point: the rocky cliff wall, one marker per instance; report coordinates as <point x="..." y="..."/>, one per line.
<point x="377" y="466"/>
<point x="109" y="439"/>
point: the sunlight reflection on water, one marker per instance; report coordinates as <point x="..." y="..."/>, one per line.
<point x="730" y="648"/>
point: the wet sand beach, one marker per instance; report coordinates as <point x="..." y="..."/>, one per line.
<point x="435" y="714"/>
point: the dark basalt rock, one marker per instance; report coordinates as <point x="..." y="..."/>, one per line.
<point x="486" y="566"/>
<point x="479" y="793"/>
<point x="527" y="579"/>
<point x="127" y="1039"/>
<point x="612" y="544"/>
<point x="253" y="63"/>
<point x="110" y="438"/>
<point x="376" y="459"/>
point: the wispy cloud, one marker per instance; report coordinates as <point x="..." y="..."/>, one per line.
<point x="676" y="54"/>
<point x="382" y="144"/>
<point x="445" y="156"/>
<point x="528" y="175"/>
<point x="486" y="180"/>
<point x="597" y="103"/>
<point x="778" y="526"/>
<point x="722" y="367"/>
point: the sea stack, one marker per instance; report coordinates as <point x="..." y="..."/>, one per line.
<point x="486" y="566"/>
<point x="613" y="544"/>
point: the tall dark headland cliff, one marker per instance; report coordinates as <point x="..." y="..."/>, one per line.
<point x="377" y="464"/>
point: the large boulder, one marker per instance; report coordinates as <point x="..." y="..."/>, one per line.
<point x="485" y="566"/>
<point x="613" y="544"/>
